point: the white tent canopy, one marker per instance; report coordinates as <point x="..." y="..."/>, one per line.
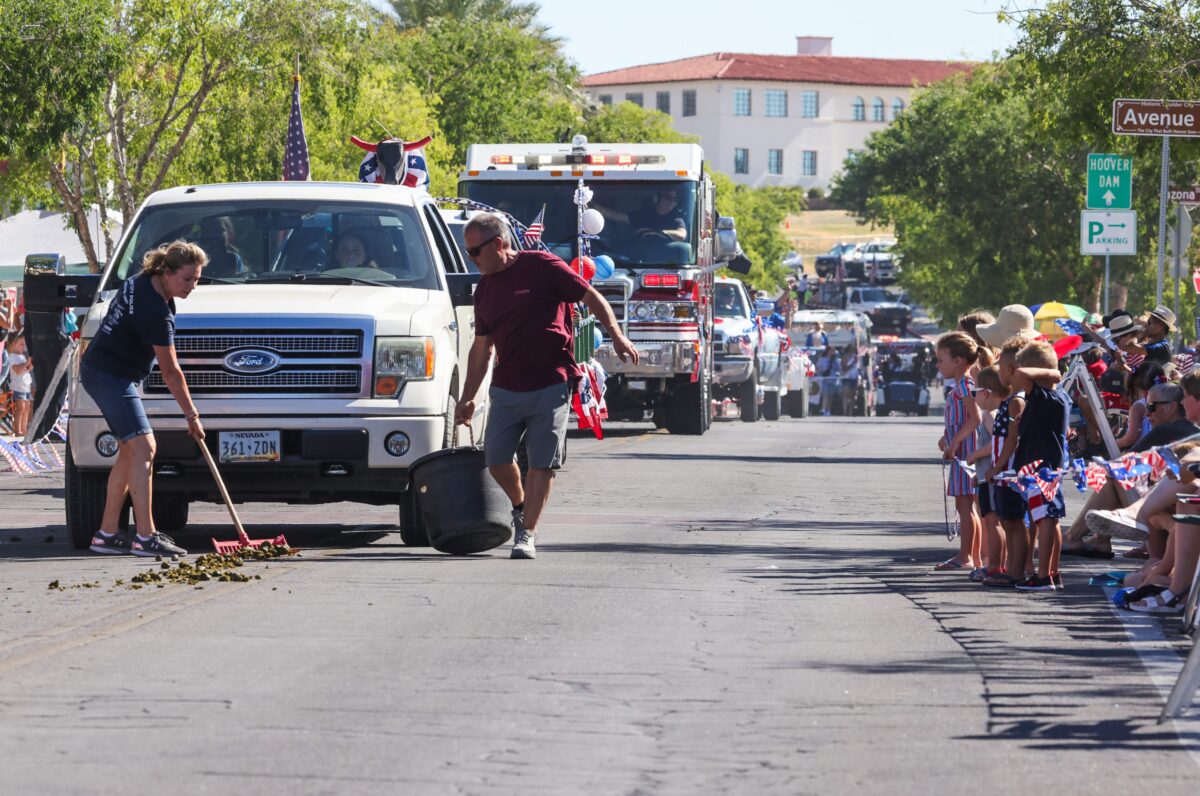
<point x="45" y="232"/>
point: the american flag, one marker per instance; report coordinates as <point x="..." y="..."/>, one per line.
<point x="295" y="152"/>
<point x="1071" y="326"/>
<point x="533" y="232"/>
<point x="1047" y="481"/>
<point x="1096" y="476"/>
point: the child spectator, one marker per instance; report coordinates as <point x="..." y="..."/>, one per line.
<point x="20" y="382"/>
<point x="956" y="354"/>
<point x="989" y="393"/>
<point x="970" y="323"/>
<point x="1008" y="505"/>
<point x="1145" y="376"/>
<point x="1042" y="437"/>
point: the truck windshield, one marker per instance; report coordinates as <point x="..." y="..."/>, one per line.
<point x="250" y="241"/>
<point x="874" y="294"/>
<point x="645" y="223"/>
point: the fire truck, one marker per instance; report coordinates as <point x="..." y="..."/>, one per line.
<point x="664" y="239"/>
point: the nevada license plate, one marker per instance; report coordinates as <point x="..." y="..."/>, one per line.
<point x="248" y="446"/>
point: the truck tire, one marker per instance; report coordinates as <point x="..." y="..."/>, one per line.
<point x="748" y="398"/>
<point x="85" y="495"/>
<point x="772" y="406"/>
<point x="688" y="409"/>
<point x="170" y="514"/>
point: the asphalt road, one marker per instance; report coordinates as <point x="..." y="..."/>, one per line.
<point x="752" y="611"/>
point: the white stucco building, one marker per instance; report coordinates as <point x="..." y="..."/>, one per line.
<point x="775" y="119"/>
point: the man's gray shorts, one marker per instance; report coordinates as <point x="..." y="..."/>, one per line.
<point x="540" y="415"/>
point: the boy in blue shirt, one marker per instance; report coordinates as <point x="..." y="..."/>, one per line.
<point x="1042" y="436"/>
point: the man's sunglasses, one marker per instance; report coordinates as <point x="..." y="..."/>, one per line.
<point x="473" y="251"/>
<point x="1152" y="405"/>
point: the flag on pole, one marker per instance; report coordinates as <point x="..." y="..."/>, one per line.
<point x="295" y="151"/>
<point x="533" y="232"/>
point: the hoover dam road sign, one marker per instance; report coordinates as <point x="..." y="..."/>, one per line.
<point x="1108" y="232"/>
<point x="1109" y="182"/>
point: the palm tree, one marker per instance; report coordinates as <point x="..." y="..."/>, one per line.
<point x="419" y="13"/>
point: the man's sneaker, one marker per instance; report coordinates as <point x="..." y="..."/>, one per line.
<point x="158" y="544"/>
<point x="1116" y="522"/>
<point x="1057" y="579"/>
<point x="111" y="544"/>
<point x="523" y="547"/>
<point x="1036" y="584"/>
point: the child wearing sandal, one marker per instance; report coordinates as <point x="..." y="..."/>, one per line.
<point x="956" y="354"/>
<point x="990" y="395"/>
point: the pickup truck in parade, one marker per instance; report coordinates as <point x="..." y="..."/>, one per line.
<point x="750" y="356"/>
<point x="320" y="379"/>
<point x="662" y="235"/>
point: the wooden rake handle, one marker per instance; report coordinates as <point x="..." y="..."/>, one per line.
<point x="212" y="466"/>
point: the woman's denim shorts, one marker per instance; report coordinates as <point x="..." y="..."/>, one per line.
<point x="117" y="397"/>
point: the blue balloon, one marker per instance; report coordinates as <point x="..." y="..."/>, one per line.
<point x="604" y="266"/>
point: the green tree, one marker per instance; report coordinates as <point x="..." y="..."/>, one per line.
<point x="55" y="57"/>
<point x="491" y="82"/>
<point x="523" y="16"/>
<point x="759" y="215"/>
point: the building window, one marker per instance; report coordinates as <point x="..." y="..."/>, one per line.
<point x="662" y="101"/>
<point x="897" y="107"/>
<point x="689" y="102"/>
<point x="776" y="102"/>
<point x="606" y="99"/>
<point x="741" y="161"/>
<point x="741" y="102"/>
<point x="635" y="98"/>
<point x="877" y="109"/>
<point x="852" y="155"/>
<point x="775" y="161"/>
<point x="860" y="110"/>
<point x="810" y="163"/>
<point x="809" y="104"/>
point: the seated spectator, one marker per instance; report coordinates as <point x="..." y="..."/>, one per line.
<point x="1167" y="419"/>
<point x="1145" y="376"/>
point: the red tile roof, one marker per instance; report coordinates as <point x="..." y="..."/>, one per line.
<point x="787" y="69"/>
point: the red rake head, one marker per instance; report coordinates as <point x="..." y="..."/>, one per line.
<point x="232" y="547"/>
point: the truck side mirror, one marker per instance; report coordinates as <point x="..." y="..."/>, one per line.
<point x="739" y="264"/>
<point x="725" y="246"/>
<point x="462" y="288"/>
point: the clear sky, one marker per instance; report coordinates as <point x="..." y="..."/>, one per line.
<point x="609" y="34"/>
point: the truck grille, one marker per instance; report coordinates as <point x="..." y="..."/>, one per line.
<point x="614" y="294"/>
<point x="336" y="343"/>
<point x="338" y="369"/>
<point x="292" y="380"/>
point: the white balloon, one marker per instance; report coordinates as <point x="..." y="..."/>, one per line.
<point x="593" y="221"/>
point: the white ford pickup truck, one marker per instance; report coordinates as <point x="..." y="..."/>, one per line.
<point x="325" y="348"/>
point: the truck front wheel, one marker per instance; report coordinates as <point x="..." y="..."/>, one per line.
<point x="772" y="405"/>
<point x="748" y="397"/>
<point x="85" y="495"/>
<point x="170" y="514"/>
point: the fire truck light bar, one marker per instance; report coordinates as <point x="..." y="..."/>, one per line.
<point x="661" y="280"/>
<point x="576" y="159"/>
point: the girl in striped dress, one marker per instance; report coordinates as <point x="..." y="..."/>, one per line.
<point x="956" y="353"/>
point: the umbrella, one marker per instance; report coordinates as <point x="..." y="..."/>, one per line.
<point x="1046" y="314"/>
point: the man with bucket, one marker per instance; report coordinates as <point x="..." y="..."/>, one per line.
<point x="522" y="310"/>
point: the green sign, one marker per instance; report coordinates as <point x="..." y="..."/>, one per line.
<point x="1109" y="182"/>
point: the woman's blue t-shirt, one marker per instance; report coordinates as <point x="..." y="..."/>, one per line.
<point x="137" y="320"/>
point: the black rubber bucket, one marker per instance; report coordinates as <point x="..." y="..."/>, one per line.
<point x="465" y="511"/>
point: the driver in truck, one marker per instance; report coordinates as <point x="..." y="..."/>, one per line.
<point x="522" y="311"/>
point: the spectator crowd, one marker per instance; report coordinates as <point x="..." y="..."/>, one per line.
<point x="1014" y="437"/>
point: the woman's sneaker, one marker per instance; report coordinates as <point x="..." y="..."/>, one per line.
<point x="111" y="544"/>
<point x="158" y="544"/>
<point x="1037" y="584"/>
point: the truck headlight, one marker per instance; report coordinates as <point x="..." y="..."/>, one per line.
<point x="401" y="359"/>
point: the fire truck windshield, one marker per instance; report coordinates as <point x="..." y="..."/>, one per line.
<point x="645" y="223"/>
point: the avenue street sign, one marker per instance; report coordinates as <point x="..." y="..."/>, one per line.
<point x="1185" y="195"/>
<point x="1156" y="117"/>
<point x="1108" y="232"/>
<point x="1109" y="182"/>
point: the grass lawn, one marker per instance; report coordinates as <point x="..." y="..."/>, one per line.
<point x="814" y="232"/>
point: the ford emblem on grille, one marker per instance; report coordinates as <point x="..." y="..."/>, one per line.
<point x="251" y="361"/>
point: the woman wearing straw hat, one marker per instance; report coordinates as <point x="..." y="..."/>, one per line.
<point x="1015" y="320"/>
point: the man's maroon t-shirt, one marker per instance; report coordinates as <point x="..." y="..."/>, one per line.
<point x="525" y="309"/>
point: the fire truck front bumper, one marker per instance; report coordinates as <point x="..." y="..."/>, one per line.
<point x="655" y="359"/>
